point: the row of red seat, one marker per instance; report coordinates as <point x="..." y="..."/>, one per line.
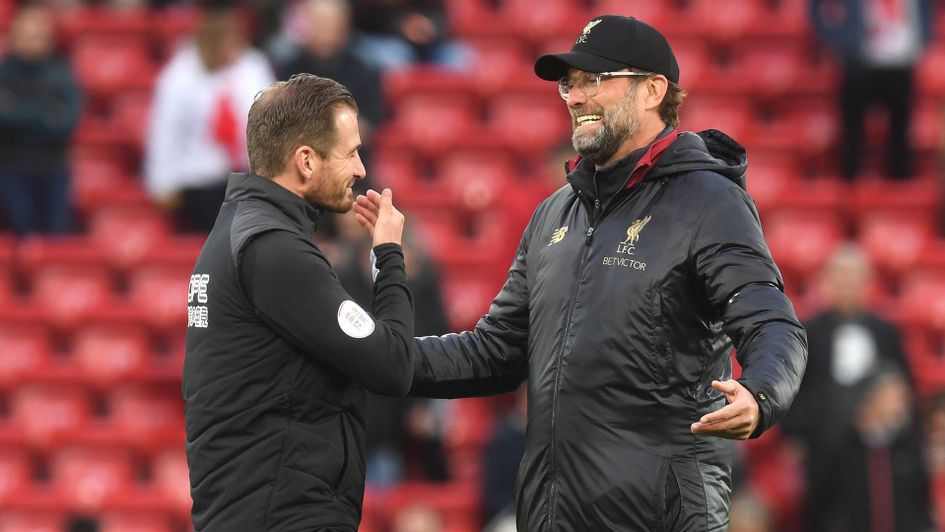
<point x="90" y="478"/>
<point x="537" y="21"/>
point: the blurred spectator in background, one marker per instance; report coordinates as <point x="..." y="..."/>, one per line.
<point x="501" y="458"/>
<point x="879" y="43"/>
<point x="749" y="514"/>
<point x="877" y="478"/>
<point x="396" y="33"/>
<point x="39" y="107"/>
<point x="935" y="423"/>
<point x="198" y="118"/>
<point x="327" y="52"/>
<point x="846" y="343"/>
<point x="418" y="518"/>
<point x="405" y="435"/>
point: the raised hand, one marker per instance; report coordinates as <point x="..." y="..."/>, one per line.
<point x="377" y="214"/>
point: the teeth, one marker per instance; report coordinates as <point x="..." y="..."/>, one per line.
<point x="587" y="119"/>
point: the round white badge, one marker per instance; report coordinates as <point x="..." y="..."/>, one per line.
<point x="354" y="321"/>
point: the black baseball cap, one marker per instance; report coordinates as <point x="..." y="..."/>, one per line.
<point x="612" y="42"/>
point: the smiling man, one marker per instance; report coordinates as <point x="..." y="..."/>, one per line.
<point x="630" y="287"/>
<point x="278" y="355"/>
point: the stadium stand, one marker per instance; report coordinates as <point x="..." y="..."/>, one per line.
<point x="91" y="325"/>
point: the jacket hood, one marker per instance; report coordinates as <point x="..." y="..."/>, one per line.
<point x="709" y="150"/>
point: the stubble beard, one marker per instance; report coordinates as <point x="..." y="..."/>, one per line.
<point x="339" y="202"/>
<point x="614" y="130"/>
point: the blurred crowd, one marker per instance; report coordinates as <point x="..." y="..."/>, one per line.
<point x="862" y="444"/>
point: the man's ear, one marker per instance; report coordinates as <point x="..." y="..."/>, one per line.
<point x="308" y="163"/>
<point x="655" y="88"/>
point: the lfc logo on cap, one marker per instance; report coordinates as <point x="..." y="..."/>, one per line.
<point x="587" y="31"/>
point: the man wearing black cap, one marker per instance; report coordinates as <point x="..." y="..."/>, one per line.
<point x="628" y="291"/>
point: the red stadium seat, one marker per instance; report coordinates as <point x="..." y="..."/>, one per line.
<point x="97" y="170"/>
<point x="918" y="197"/>
<point x="43" y="414"/>
<point x="498" y="64"/>
<point x="729" y="115"/>
<point x="147" y="416"/>
<point x="135" y="522"/>
<point x="424" y="80"/>
<point x="38" y="252"/>
<point x="25" y="353"/>
<point x="707" y="20"/>
<point x="537" y="22"/>
<point x="128" y="234"/>
<point x="814" y="125"/>
<point x="107" y="67"/>
<point x="769" y="70"/>
<point x="467" y="300"/>
<point x="928" y="131"/>
<point x="469" y="424"/>
<point x="68" y="294"/>
<point x="931" y="71"/>
<point x="657" y="14"/>
<point x="894" y="241"/>
<point x="697" y="65"/>
<point x="801" y="242"/>
<point x="91" y="478"/>
<point x="769" y="178"/>
<point x="401" y="171"/>
<point x="922" y="302"/>
<point x="129" y="119"/>
<point x="476" y="179"/>
<point x="160" y="291"/>
<point x="102" y="22"/>
<point x="430" y="124"/>
<point x="172" y="480"/>
<point x="529" y="123"/>
<point x="38" y="521"/>
<point x="107" y="353"/>
<point x="16" y="473"/>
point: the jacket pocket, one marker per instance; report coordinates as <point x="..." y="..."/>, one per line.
<point x="661" y="353"/>
<point x="315" y="454"/>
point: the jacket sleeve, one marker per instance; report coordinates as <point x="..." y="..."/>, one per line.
<point x="744" y="287"/>
<point x="295" y="291"/>
<point x="490" y="359"/>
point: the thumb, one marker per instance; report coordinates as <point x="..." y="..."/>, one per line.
<point x="727" y="387"/>
<point x="387" y="199"/>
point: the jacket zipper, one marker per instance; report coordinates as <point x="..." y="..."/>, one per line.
<point x="564" y="350"/>
<point x="592" y="222"/>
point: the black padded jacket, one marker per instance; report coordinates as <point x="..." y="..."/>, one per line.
<point x="629" y="288"/>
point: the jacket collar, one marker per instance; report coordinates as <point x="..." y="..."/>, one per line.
<point x="622" y="174"/>
<point x="242" y="186"/>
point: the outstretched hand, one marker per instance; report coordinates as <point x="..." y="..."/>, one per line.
<point x="377" y="214"/>
<point x="737" y="420"/>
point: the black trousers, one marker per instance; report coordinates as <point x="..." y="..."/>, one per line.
<point x="891" y="89"/>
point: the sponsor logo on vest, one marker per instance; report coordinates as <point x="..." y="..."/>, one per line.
<point x="198" y="315"/>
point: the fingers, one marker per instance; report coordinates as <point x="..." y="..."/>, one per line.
<point x="736" y="420"/>
<point x="729" y="387"/>
<point x="367" y="209"/>
<point x="369" y="226"/>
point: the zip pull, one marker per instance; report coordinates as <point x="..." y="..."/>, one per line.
<point x="590" y="233"/>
